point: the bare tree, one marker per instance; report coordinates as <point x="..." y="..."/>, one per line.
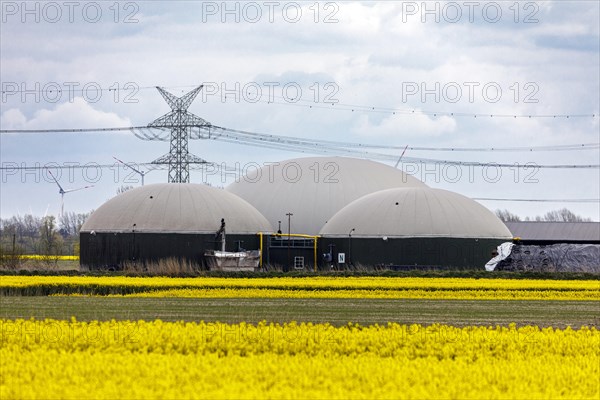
<point x="25" y="230"/>
<point x="507" y="216"/>
<point x="31" y="225"/>
<point x="70" y="223"/>
<point x="124" y="188"/>
<point x="10" y="252"/>
<point x="564" y="215"/>
<point x="50" y="241"/>
<point x="40" y="235"/>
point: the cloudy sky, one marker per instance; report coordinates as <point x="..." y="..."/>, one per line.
<point x="423" y="74"/>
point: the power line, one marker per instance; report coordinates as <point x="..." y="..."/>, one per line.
<point x="317" y="146"/>
<point x="89" y="165"/>
<point x="323" y="147"/>
<point x="69" y="130"/>
<point x="162" y="134"/>
<point x="565" y="147"/>
<point x="280" y="138"/>
<point x="432" y="113"/>
<point x="333" y="105"/>
<point x="541" y="200"/>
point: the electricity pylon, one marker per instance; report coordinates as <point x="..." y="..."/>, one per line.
<point x="180" y="121"/>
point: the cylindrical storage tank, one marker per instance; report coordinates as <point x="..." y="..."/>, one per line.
<point x="313" y="189"/>
<point x="168" y="220"/>
<point x="420" y="226"/>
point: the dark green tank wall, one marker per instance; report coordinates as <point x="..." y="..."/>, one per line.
<point x="426" y="252"/>
<point x="112" y="250"/>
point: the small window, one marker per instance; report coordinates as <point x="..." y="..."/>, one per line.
<point x="298" y="262"/>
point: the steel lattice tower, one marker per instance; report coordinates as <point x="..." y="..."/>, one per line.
<point x="180" y="121"/>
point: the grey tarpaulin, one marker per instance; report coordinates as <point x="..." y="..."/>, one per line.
<point x="561" y="257"/>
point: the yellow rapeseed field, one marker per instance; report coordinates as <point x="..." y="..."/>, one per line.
<point x="137" y="359"/>
<point x="307" y="287"/>
<point x="143" y="359"/>
<point x="45" y="257"/>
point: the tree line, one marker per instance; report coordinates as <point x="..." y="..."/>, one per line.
<point x="562" y="215"/>
<point x="30" y="234"/>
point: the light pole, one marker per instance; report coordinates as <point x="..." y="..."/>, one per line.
<point x="133" y="240"/>
<point x="289" y="215"/>
<point x="350" y="246"/>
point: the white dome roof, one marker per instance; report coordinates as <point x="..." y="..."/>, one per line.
<point x="416" y="212"/>
<point x="178" y="208"/>
<point x="313" y="189"/>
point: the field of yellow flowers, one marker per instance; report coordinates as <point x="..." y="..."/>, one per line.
<point x="306" y="287"/>
<point x="72" y="359"/>
<point x="139" y="359"/>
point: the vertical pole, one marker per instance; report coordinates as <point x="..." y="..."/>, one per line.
<point x="133" y="250"/>
<point x="315" y="253"/>
<point x="350" y="246"/>
<point x="289" y="215"/>
<point x="260" y="259"/>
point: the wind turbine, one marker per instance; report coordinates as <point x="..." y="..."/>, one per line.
<point x="142" y="173"/>
<point x="62" y="192"/>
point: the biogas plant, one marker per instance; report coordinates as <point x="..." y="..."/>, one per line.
<point x="358" y="214"/>
<point x="361" y="213"/>
<point x="368" y="214"/>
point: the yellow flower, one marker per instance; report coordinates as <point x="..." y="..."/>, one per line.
<point x="306" y="287"/>
<point x="140" y="359"/>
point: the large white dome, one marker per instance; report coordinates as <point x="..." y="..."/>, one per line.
<point x="313" y="189"/>
<point x="416" y="212"/>
<point x="177" y="208"/>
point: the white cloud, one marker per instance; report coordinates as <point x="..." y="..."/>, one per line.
<point x="76" y="114"/>
<point x="13" y="119"/>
